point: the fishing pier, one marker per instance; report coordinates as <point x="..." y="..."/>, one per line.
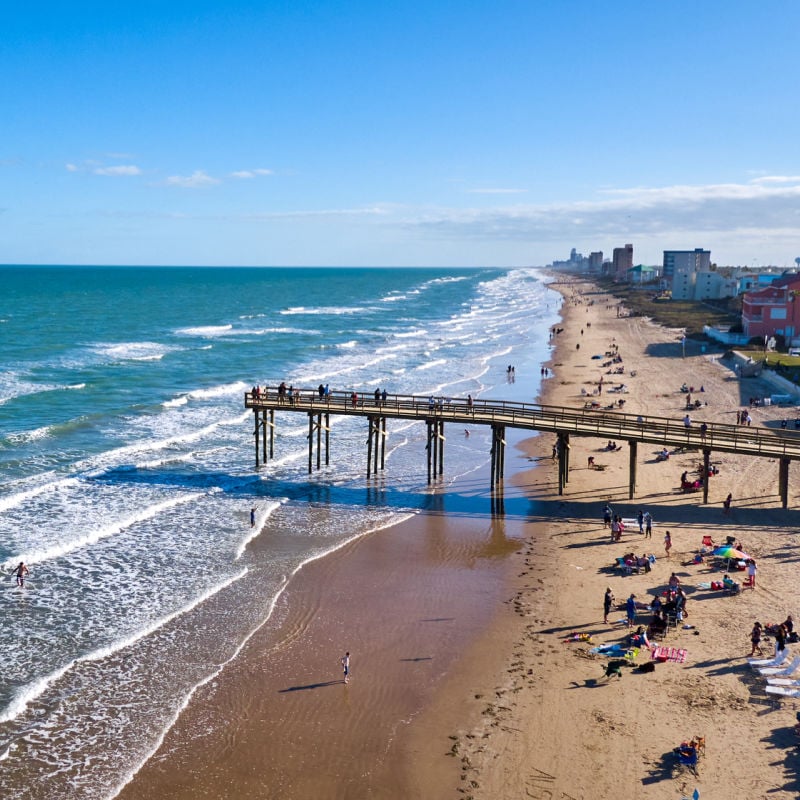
<point x="783" y="445"/>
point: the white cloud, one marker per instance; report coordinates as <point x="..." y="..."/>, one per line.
<point x="72" y="168"/>
<point x="675" y="212"/>
<point x="250" y="173"/>
<point x="777" y="179"/>
<point x="122" y="169"/>
<point x="194" y="181"/>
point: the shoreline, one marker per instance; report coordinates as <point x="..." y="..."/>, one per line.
<point x="460" y="646"/>
<point x="405" y="632"/>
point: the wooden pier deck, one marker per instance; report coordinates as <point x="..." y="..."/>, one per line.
<point x="782" y="445"/>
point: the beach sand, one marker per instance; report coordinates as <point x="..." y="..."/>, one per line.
<point x="464" y="680"/>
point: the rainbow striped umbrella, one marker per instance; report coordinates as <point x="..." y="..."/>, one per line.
<point x="729" y="552"/>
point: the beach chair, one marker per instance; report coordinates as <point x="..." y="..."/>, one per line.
<point x="781" y="671"/>
<point x="784" y="691"/>
<point x="778" y="658"/>
<point x="708" y="541"/>
<point x="783" y="682"/>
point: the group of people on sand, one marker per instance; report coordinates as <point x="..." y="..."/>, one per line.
<point x="644" y="520"/>
<point x="783" y="633"/>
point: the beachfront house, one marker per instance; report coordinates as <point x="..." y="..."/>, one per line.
<point x="774" y="310"/>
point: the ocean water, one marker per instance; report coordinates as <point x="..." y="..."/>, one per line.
<point x="127" y="473"/>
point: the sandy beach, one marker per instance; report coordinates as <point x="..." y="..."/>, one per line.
<point x="465" y="680"/>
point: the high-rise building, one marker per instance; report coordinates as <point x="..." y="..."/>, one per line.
<point x="697" y="260"/>
<point x="596" y="261"/>
<point x="622" y="261"/>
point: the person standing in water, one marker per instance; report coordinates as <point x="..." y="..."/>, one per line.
<point x="19" y="573"/>
<point x="346" y="666"/>
<point x="253" y="516"/>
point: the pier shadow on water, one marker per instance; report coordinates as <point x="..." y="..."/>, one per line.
<point x="471" y="500"/>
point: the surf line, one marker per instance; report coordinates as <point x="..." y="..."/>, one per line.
<point x="131" y="774"/>
<point x="25" y="696"/>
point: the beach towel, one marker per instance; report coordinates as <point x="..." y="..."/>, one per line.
<point x="578" y="637"/>
<point x="674" y="654"/>
<point x="616" y="651"/>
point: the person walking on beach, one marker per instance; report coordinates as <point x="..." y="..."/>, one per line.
<point x="755" y="639"/>
<point x="640" y="520"/>
<point x="667" y="542"/>
<point x="606" y="516"/>
<point x="19" y="573"/>
<point x="608" y="601"/>
<point x="648" y="525"/>
<point x="726" y="504"/>
<point x="346" y="666"/>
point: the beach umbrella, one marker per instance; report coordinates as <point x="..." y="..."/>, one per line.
<point x="729" y="552"/>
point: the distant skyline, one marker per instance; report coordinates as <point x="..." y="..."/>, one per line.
<point x="355" y="133"/>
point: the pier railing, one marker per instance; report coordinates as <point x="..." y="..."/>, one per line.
<point x="600" y="423"/>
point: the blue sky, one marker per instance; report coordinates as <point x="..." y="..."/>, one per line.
<point x="403" y="133"/>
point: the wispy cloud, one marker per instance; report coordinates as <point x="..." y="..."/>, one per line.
<point x="777" y="179"/>
<point x="767" y="206"/>
<point x="72" y="168"/>
<point x="496" y="191"/>
<point x="196" y="180"/>
<point x="250" y="173"/>
<point x="122" y="169"/>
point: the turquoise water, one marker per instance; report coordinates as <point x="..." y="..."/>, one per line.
<point x="127" y="471"/>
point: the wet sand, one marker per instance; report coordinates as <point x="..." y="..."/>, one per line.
<point x="408" y="603"/>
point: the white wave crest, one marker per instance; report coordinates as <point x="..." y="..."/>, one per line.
<point x="131" y="351"/>
<point x="56" y="551"/>
<point x="332" y="310"/>
<point x="217" y="391"/>
<point x="176" y="402"/>
<point x="24" y="437"/>
<point x="17" y="499"/>
<point x="205" y="330"/>
<point x="431" y="364"/>
<point x="29" y="693"/>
